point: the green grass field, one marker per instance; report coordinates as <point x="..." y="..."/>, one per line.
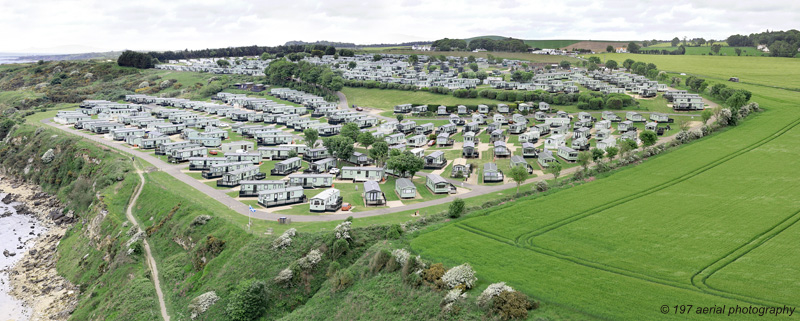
<point x="507" y="55"/>
<point x="706" y="50"/>
<point x="705" y="224"/>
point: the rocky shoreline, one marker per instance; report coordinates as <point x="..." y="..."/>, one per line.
<point x="34" y="279"/>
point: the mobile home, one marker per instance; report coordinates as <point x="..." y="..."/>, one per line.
<point x="438" y="185"/>
<point x="311" y="180"/>
<point x="232" y="178"/>
<point x="329" y="200"/>
<point x="286" y="167"/>
<point x="491" y="174"/>
<point x="360" y="174"/>
<point x="517" y="160"/>
<point x="567" y="153"/>
<point x="405" y="188"/>
<point x="252" y="188"/>
<point x="373" y="194"/>
<point x="284" y="196"/>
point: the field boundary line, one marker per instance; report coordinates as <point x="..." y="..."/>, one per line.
<point x="739" y="252"/>
<point x="528" y="236"/>
<point x="626" y="273"/>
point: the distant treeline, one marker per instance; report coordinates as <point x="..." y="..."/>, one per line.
<point x="780" y="43"/>
<point x="505" y="44"/>
<point x="141" y="60"/>
<point x="228" y="52"/>
<point x="352" y="45"/>
<point x="680" y="51"/>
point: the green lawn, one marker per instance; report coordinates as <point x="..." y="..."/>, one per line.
<point x="726" y="51"/>
<point x="700" y="224"/>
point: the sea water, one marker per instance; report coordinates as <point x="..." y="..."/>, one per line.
<point x="16" y="235"/>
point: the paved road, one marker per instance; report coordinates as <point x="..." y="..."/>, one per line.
<point x="151" y="262"/>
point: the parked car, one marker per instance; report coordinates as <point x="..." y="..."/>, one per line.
<point x="214" y="152"/>
<point x="359" y="109"/>
<point x="334" y="171"/>
<point x="430" y="143"/>
<point x="346" y="207"/>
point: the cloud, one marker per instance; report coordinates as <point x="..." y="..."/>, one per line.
<point x="179" y="24"/>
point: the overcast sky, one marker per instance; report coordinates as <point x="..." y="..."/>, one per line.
<point x="102" y="25"/>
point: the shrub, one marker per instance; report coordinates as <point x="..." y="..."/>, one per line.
<point x="456" y="208"/>
<point x="401" y="255"/>
<point x="342" y="231"/>
<point x="394" y="232"/>
<point x="450" y="299"/>
<point x="284" y="240"/>
<point x="332" y="269"/>
<point x="248" y="301"/>
<point x="512" y="305"/>
<point x="460" y="275"/>
<point x="201" y="303"/>
<point x="342" y="280"/>
<point x="492" y="291"/>
<point x="725" y="116"/>
<point x="201" y="220"/>
<point x="284" y="277"/>
<point x="310" y="260"/>
<point x="340" y="247"/>
<point x="433" y="274"/>
<point x="542" y="186"/>
<point x="379" y="260"/>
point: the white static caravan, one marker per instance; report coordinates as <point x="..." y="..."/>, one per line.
<point x="218" y="170"/>
<point x="311" y="180"/>
<point x="274" y="153"/>
<point x="329" y="200"/>
<point x="286" y="167"/>
<point x="204" y="163"/>
<point x="417" y="141"/>
<point x="322" y="166"/>
<point x="405" y="188"/>
<point x="251" y="188"/>
<point x="554" y="142"/>
<point x="360" y="174"/>
<point x="238" y="146"/>
<point x="232" y="178"/>
<point x="254" y="157"/>
<point x="183" y="154"/>
<point x="284" y="196"/>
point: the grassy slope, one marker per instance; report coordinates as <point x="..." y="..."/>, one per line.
<point x="651" y="245"/>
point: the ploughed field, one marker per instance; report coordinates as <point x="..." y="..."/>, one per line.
<point x="712" y="223"/>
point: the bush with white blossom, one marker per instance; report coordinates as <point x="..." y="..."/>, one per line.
<point x="284" y="240"/>
<point x="492" y="291"/>
<point x="343" y="230"/>
<point x="401" y="256"/>
<point x="310" y="260"/>
<point x="462" y="274"/>
<point x="284" y="276"/>
<point x="451" y="298"/>
<point x="201" y="303"/>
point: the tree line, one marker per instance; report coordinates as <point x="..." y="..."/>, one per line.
<point x="318" y="80"/>
<point x="135" y="59"/>
<point x="780" y="43"/>
<point x="505" y="44"/>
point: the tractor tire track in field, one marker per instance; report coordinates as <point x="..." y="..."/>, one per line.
<point x="695" y="284"/>
<point x="620" y="271"/>
<point x="699" y="279"/>
<point x="527" y="238"/>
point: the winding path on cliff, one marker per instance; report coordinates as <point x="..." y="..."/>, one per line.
<point x="151" y="262"/>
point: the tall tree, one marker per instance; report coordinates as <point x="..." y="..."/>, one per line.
<point x="611" y="64"/>
<point x="311" y="135"/>
<point x="610" y="48"/>
<point x="519" y="174"/>
<point x="379" y="152"/>
<point x="405" y="162"/>
<point x="648" y="138"/>
<point x="340" y="147"/>
<point x="555" y="169"/>
<point x="584" y="158"/>
<point x="633" y="47"/>
<point x="366" y="139"/>
<point x="350" y="130"/>
<point x="675" y="41"/>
